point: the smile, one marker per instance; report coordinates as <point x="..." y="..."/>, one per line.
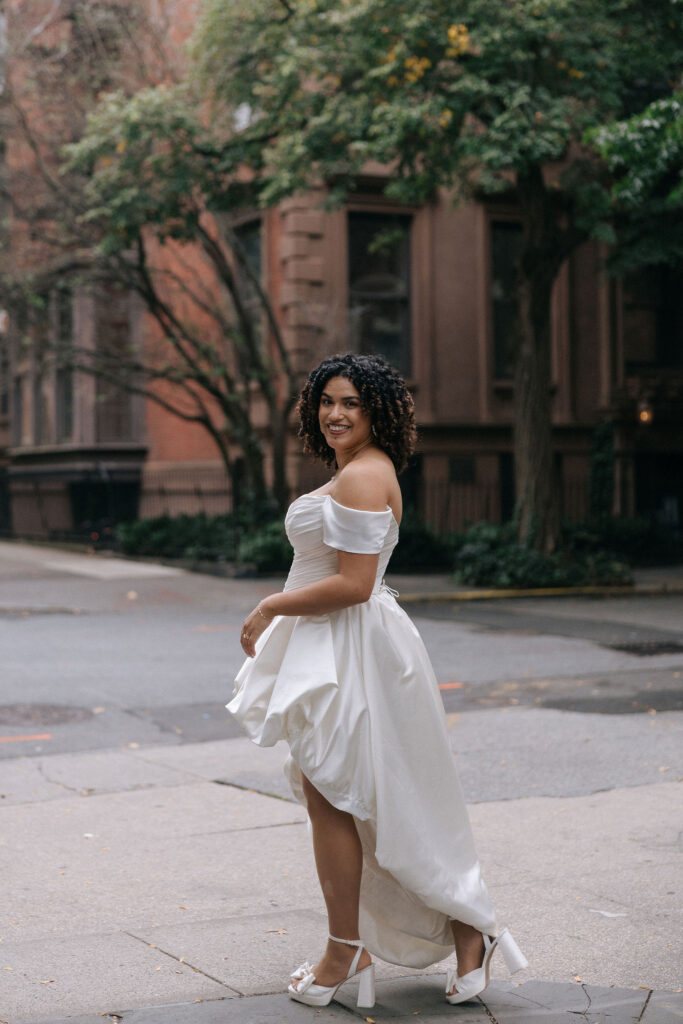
<point x="337" y="430"/>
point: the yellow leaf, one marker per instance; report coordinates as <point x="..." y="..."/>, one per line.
<point x="577" y="978"/>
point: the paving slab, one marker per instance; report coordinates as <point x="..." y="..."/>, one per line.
<point x="252" y="954"/>
<point x="238" y="762"/>
<point x="664" y="1008"/>
<point x="93" y="974"/>
<point x="30" y="780"/>
<point x="421" y="997"/>
<point x="590" y="885"/>
<point x="549" y="1003"/>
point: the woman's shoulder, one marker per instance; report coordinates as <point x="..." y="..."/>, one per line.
<point x="366" y="483"/>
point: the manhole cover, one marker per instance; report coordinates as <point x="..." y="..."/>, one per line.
<point x="646" y="648"/>
<point x="41" y="714"/>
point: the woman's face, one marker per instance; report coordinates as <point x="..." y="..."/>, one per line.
<point x="345" y="425"/>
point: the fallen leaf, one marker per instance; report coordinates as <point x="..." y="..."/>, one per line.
<point x="50" y="981"/>
<point x="277" y="931"/>
<point x="370" y="1020"/>
<point x="181" y="960"/>
<point x="132" y="595"/>
<point x="577" y="978"/>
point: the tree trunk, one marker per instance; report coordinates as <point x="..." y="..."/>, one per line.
<point x="538" y="518"/>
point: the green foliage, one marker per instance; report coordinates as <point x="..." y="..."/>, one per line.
<point x="491" y="557"/>
<point x="200" y="537"/>
<point x="148" y="161"/>
<point x="644" y="155"/>
<point x="267" y="548"/>
<point x="642" y="540"/>
<point x="420" y="549"/>
<point x="458" y="96"/>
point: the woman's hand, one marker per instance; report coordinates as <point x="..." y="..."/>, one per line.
<point x="252" y="627"/>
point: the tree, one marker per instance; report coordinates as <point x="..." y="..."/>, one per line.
<point x="644" y="156"/>
<point x="143" y="202"/>
<point x="160" y="190"/>
<point x="494" y="99"/>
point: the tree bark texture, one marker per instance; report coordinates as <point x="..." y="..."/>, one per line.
<point x="537" y="493"/>
<point x="535" y="478"/>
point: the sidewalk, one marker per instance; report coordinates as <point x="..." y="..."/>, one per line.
<point x="178" y="887"/>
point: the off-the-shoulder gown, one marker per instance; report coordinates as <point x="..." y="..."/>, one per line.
<point x="354" y="695"/>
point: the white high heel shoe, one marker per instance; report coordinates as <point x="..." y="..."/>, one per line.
<point x="308" y="992"/>
<point x="474" y="983"/>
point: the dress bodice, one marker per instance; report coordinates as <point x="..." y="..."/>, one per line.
<point x="318" y="527"/>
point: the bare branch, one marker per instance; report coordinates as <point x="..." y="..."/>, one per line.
<point x="52" y="16"/>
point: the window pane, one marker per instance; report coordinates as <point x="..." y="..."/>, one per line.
<point x="250" y="237"/>
<point x="653" y="318"/>
<point x="64" y="398"/>
<point x="113" y="409"/>
<point x="379" y="286"/>
<point x="506" y="249"/>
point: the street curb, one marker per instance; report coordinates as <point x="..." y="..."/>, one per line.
<point x="635" y="590"/>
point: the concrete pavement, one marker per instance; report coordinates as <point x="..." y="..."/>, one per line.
<point x="151" y="877"/>
<point x="156" y="880"/>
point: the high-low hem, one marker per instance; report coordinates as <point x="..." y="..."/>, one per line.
<point x="354" y="695"/>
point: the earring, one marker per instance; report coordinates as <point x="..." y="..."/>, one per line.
<point x="373" y="431"/>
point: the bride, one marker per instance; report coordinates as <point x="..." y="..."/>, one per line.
<point x="338" y="670"/>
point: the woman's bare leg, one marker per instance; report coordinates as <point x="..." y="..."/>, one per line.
<point x="339" y="860"/>
<point x="469" y="948"/>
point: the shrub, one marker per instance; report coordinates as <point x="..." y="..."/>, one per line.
<point x="490" y="556"/>
<point x="267" y="548"/>
<point x="420" y="549"/>
<point x="213" y="538"/>
<point x="642" y="540"/>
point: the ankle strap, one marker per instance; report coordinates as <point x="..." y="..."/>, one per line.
<point x="358" y="943"/>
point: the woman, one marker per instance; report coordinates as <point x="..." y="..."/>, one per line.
<point x="338" y="670"/>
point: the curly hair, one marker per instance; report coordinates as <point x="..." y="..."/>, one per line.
<point x="383" y="394"/>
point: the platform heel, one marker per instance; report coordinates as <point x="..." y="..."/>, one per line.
<point x="473" y="984"/>
<point x="512" y="954"/>
<point x="306" y="991"/>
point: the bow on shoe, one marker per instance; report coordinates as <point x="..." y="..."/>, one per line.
<point x="305" y="976"/>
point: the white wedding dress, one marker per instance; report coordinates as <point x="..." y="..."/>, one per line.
<point x="354" y="695"/>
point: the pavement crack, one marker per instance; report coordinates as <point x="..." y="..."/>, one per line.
<point x="252" y="789"/>
<point x="57" y="782"/>
<point x="489" y="1014"/>
<point x="247" y="828"/>
<point x="645" y="1006"/>
<point x="583" y="1013"/>
<point x="183" y="962"/>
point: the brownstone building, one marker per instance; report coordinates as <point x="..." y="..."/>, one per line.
<point x="435" y="300"/>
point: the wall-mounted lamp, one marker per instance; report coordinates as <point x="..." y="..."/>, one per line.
<point x="645" y="411"/>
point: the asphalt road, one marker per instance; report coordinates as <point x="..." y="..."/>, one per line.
<point x="544" y="697"/>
